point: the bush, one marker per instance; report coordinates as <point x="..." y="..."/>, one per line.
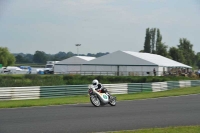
<point x="52" y="80"/>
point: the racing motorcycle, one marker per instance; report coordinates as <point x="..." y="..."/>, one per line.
<point x="97" y="98"/>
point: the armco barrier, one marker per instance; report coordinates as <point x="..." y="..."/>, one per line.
<point x="77" y="90"/>
<point x="159" y="86"/>
<point x="139" y="87"/>
<point x="5" y="93"/>
<point x="36" y="92"/>
<point x="185" y="83"/>
<point x="19" y="93"/>
<point x="117" y="88"/>
<point x="71" y="90"/>
<point x="52" y="91"/>
<point x="135" y="87"/>
<point x="65" y="90"/>
<point x="173" y="84"/>
<point x="195" y="82"/>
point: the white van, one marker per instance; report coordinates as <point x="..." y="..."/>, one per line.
<point x="14" y="70"/>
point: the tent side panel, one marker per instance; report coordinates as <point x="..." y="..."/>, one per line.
<point x="74" y="68"/>
<point x="160" y="71"/>
<point x="59" y="69"/>
<point x="98" y="69"/>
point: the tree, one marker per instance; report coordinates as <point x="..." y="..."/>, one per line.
<point x="158" y="40"/>
<point x="147" y="43"/>
<point x="176" y="54"/>
<point x="188" y="53"/>
<point x="6" y="58"/>
<point x="40" y="57"/>
<point x="92" y="55"/>
<point x="28" y="58"/>
<point x="70" y="54"/>
<point x="162" y="49"/>
<point x="19" y="58"/>
<point x="198" y="60"/>
<point x="60" y="56"/>
<point x="101" y="54"/>
<point x="11" y="59"/>
<point x="50" y="57"/>
<point x="153" y="44"/>
<point x="153" y="34"/>
<point x="23" y="58"/>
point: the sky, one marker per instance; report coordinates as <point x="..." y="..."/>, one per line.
<point x="56" y="26"/>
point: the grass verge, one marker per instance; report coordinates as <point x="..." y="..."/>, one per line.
<point x="179" y="129"/>
<point x="85" y="99"/>
<point x="173" y="92"/>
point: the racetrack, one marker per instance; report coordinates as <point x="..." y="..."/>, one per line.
<point x="85" y="118"/>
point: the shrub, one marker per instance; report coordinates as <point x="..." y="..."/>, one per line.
<point x="50" y="80"/>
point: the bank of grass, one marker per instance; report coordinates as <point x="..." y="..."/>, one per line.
<point x="44" y="102"/>
<point x="179" y="129"/>
<point x="85" y="98"/>
<point x="173" y="92"/>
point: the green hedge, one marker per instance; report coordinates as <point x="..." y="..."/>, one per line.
<point x="51" y="80"/>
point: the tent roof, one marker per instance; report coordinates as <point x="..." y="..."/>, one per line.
<point x="76" y="60"/>
<point x="157" y="59"/>
<point x="135" y="59"/>
<point x="86" y="58"/>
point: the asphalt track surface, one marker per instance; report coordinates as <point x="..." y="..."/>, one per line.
<point x="85" y="118"/>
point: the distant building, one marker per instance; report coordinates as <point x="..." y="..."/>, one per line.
<point x="120" y="63"/>
<point x="131" y="63"/>
<point x="71" y="65"/>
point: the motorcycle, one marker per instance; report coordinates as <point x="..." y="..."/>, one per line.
<point x="98" y="98"/>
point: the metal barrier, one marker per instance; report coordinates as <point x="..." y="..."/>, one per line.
<point x="195" y="82"/>
<point x="125" y="73"/>
<point x="66" y="90"/>
<point x="114" y="73"/>
<point x="117" y="88"/>
<point x="108" y="73"/>
<point x="139" y="87"/>
<point x="19" y="93"/>
<point x="36" y="92"/>
<point x="159" y="86"/>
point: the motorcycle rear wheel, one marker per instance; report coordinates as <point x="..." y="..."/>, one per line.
<point x="95" y="101"/>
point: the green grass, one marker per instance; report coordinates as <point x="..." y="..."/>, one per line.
<point x="179" y="129"/>
<point x="174" y="92"/>
<point x="85" y="99"/>
<point x="44" y="102"/>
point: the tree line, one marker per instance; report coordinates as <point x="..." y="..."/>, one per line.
<point x="183" y="53"/>
<point x="39" y="57"/>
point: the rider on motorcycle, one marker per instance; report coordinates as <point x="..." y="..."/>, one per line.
<point x="99" y="87"/>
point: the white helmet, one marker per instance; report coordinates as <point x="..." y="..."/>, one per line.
<point x="95" y="82"/>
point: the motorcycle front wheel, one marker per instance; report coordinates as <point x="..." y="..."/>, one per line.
<point x="95" y="100"/>
<point x="112" y="101"/>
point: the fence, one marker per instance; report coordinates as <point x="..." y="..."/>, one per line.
<point x="105" y="73"/>
<point x="66" y="90"/>
<point x="36" y="92"/>
<point x="115" y="73"/>
<point x="19" y="93"/>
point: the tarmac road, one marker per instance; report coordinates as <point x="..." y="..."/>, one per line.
<point x="85" y="118"/>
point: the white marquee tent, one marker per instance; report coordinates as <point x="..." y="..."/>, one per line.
<point x="71" y="65"/>
<point x="131" y="63"/>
